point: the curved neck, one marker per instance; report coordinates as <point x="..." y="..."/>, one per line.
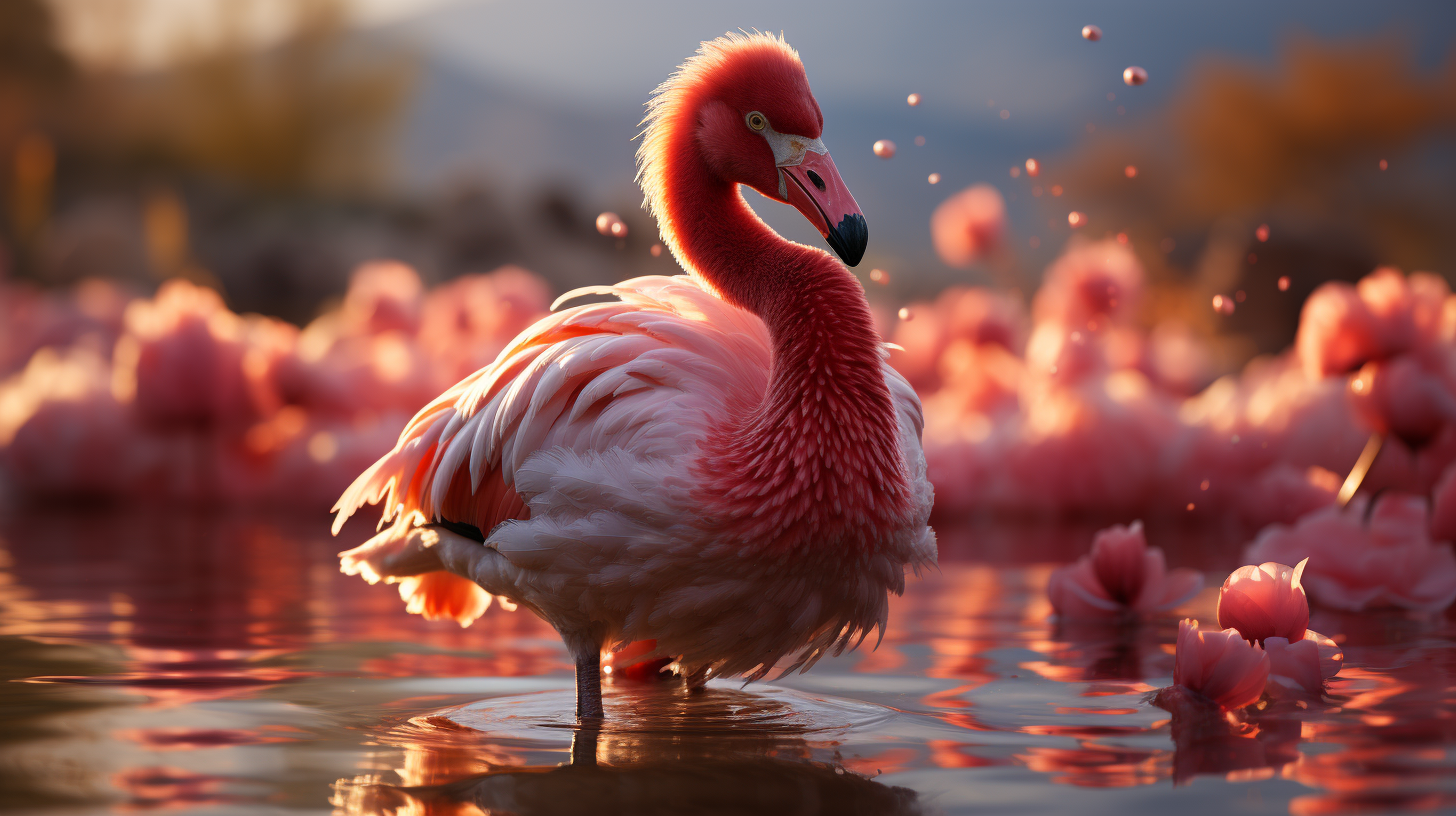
<point x="820" y="453"/>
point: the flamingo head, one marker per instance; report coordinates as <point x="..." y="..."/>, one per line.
<point x="755" y="122"/>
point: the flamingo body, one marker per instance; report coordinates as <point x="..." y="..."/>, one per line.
<point x="722" y="462"/>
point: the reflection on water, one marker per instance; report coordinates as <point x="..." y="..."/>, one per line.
<point x="220" y="663"/>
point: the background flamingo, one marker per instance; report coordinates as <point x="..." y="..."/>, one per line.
<point x="723" y="463"/>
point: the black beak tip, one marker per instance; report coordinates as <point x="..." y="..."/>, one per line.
<point x="849" y="239"/>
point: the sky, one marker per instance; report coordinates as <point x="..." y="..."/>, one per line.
<point x="523" y="93"/>
<point x="553" y="89"/>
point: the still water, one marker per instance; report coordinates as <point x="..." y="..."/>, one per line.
<point x="219" y="663"/>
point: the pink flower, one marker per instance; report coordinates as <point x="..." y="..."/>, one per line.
<point x="969" y="225"/>
<point x="1264" y="601"/>
<point x="1221" y="666"/>
<point x="1123" y="575"/>
<point x="1090" y="286"/>
<point x="960" y="322"/>
<point x="1344" y="326"/>
<point x="1356" y="563"/>
<point x="1302" y="666"/>
<point x="1408" y="396"/>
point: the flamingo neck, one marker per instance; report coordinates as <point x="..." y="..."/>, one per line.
<point x="819" y="456"/>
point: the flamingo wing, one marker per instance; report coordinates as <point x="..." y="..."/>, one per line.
<point x="647" y="374"/>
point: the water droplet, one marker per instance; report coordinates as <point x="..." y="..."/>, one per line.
<point x="1134" y="75"/>
<point x="608" y="223"/>
<point x="884" y="148"/>
<point x="1122" y="238"/>
<point x="1223" y="305"/>
<point x="1203" y="485"/>
<point x="1006" y="114"/>
<point x="933" y="178"/>
<point x="1016" y="172"/>
<point x="1262" y="233"/>
<point x="1034" y="242"/>
<point x="1383" y="163"/>
<point x="879" y="276"/>
<point x="1091" y="33"/>
<point x="1130" y="171"/>
<point x="1036" y="191"/>
<point x="1240" y="296"/>
<point x="1284" y="283"/>
<point x="1167" y="245"/>
<point x="1253" y="259"/>
<point x="913" y="99"/>
<point x="906" y="314"/>
<point x="1056" y="189"/>
<point x="1111" y="97"/>
<point x="1190" y="507"/>
<point x="1032" y="168"/>
<point x="920" y="141"/>
<point x="656" y="250"/>
<point x="1076" y="219"/>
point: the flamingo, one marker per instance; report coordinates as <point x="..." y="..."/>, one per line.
<point x="722" y="463"/>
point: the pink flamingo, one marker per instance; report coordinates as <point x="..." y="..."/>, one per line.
<point x="722" y="462"/>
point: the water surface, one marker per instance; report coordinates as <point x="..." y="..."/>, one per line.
<point x="219" y="663"/>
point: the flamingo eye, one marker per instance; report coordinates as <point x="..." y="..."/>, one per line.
<point x="756" y="121"/>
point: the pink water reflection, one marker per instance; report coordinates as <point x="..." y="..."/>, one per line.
<point x="198" y="656"/>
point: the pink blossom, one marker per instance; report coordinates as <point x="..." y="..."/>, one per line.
<point x="1264" y="601"/>
<point x="962" y="318"/>
<point x="1123" y="575"/>
<point x="1443" y="507"/>
<point x="1089" y="286"/>
<point x="1221" y="666"/>
<point x="969" y="225"/>
<point x="1409" y="396"/>
<point x="1356" y="563"/>
<point x="1303" y="665"/>
<point x="1343" y="326"/>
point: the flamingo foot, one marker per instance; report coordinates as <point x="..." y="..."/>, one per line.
<point x="589" y="688"/>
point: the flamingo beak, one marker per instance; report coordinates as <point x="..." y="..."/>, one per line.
<point x="816" y="190"/>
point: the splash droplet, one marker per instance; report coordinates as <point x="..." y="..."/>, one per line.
<point x="1056" y="189"/>
<point x="1016" y="172"/>
<point x="920" y="141"/>
<point x="1284" y="283"/>
<point x="1130" y="171"/>
<point x="1091" y="33"/>
<point x="913" y="99"/>
<point x="1076" y="219"/>
<point x="1122" y="238"/>
<point x="1133" y="75"/>
<point x="933" y="178"/>
<point x="1032" y="168"/>
<point x="1223" y="305"/>
<point x="1384" y="164"/>
<point x="656" y="250"/>
<point x="1262" y="233"/>
<point x="906" y="314"/>
<point x="608" y="223"/>
<point x="1203" y="485"/>
<point x="880" y="276"/>
<point x="1006" y="114"/>
<point x="884" y="148"/>
<point x="1190" y="507"/>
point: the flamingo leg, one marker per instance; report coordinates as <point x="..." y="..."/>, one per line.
<point x="589" y="688"/>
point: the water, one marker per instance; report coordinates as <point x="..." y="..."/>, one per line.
<point x="218" y="663"/>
